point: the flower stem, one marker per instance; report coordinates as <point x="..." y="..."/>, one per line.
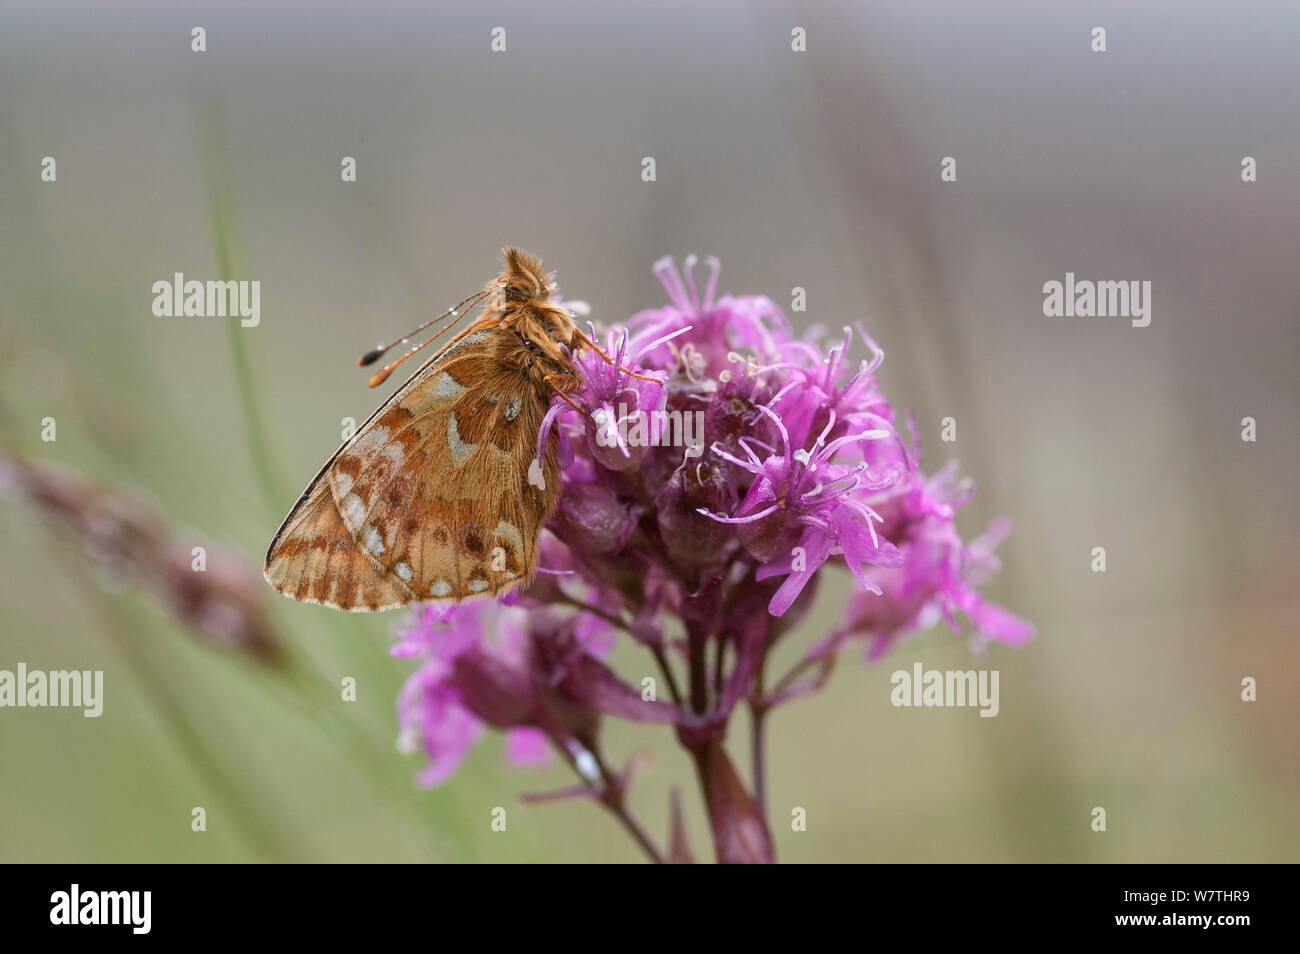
<point x="758" y="740"/>
<point x="244" y="811"/>
<point x="614" y="798"/>
<point x="758" y="743"/>
<point x="697" y="647"/>
<point x="613" y="620"/>
<point x="597" y="612"/>
<point x="636" y="831"/>
<point x="227" y="250"/>
<point x="667" y="671"/>
<point x="740" y="834"/>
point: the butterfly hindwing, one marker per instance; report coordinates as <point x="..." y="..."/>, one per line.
<point x="315" y="559"/>
<point x="433" y="490"/>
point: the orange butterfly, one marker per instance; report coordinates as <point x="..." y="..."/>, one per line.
<point x="432" y="498"/>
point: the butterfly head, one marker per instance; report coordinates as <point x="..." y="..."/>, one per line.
<point x="526" y="304"/>
<point x="524" y="280"/>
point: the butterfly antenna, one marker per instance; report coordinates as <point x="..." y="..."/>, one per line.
<point x="610" y="361"/>
<point x="456" y="312"/>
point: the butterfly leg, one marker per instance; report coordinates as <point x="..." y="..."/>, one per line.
<point x="610" y="361"/>
<point x="561" y="383"/>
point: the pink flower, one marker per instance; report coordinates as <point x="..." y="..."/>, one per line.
<point x="939" y="573"/>
<point x="802" y="507"/>
<point x="430" y="716"/>
<point x="527" y="747"/>
<point x="702" y="555"/>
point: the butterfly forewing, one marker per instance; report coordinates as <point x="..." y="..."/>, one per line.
<point x="431" y="496"/>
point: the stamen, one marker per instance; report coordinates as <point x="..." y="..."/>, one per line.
<point x="748" y="518"/>
<point x="688" y="267"/>
<point x="672" y="283"/>
<point x="789" y="386"/>
<point x="664" y="339"/>
<point x="715" y="266"/>
<point x="754" y="468"/>
<point x="878" y="356"/>
<point x="780" y="426"/>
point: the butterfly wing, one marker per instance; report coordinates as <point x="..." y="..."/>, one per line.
<point x="315" y="559"/>
<point x="430" y="499"/>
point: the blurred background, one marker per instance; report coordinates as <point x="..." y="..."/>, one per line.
<point x="818" y="169"/>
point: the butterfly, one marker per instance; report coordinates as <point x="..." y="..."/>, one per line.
<point x="439" y="495"/>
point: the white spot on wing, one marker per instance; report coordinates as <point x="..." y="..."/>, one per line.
<point x="404" y="571"/>
<point x="369" y="441"/>
<point x="342" y="483"/>
<point x="354" y="510"/>
<point x="374" y="543"/>
<point x="478" y="585"/>
<point x="445" y="387"/>
<point x="440" y="588"/>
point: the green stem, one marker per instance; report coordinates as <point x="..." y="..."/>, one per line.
<point x="187" y="737"/>
<point x="225" y="246"/>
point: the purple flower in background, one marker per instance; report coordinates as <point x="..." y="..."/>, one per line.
<point x="431" y="716"/>
<point x="939" y="573"/>
<point x="528" y="747"/>
<point x="718" y="466"/>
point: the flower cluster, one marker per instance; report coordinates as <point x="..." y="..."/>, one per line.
<point x="720" y="462"/>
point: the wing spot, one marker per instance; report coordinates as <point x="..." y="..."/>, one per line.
<point x="473" y="542"/>
<point x="440" y="588"/>
<point x="342" y="483"/>
<point x="513" y="408"/>
<point x="354" y="509"/>
<point x="369" y="441"/>
<point x="404" y="571"/>
<point x="374" y="543"/>
<point x="478" y="585"/>
<point x="445" y="387"/>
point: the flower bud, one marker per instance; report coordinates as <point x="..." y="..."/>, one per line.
<point x="689" y="535"/>
<point x="772" y="538"/>
<point x="592" y="519"/>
